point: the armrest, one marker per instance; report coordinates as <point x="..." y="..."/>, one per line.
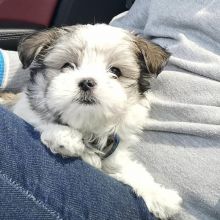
<point x="9" y="37"/>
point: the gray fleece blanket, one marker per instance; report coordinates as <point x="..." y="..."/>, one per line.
<point x="181" y="144"/>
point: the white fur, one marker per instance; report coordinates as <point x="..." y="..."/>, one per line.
<point x="120" y="110"/>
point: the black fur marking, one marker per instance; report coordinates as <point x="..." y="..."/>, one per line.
<point x="143" y="81"/>
<point x="58" y="119"/>
<point x="36" y="97"/>
<point x="35" y="69"/>
<point x="86" y="98"/>
<point x="91" y="101"/>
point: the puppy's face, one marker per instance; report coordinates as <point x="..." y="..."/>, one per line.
<point x="88" y="74"/>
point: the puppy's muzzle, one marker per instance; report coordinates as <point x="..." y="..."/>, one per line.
<point x="87" y="84"/>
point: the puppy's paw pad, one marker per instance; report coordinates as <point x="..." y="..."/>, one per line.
<point x="164" y="203"/>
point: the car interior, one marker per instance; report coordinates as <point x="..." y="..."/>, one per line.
<point x="21" y="17"/>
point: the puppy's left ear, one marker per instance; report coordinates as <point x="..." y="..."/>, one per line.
<point x="151" y="59"/>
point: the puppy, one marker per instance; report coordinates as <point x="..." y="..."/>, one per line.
<point x="86" y="96"/>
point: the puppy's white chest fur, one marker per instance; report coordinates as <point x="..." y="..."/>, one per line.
<point x="91" y="129"/>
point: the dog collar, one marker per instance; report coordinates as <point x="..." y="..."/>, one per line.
<point x="112" y="144"/>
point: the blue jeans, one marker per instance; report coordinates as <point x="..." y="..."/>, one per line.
<point x="36" y="184"/>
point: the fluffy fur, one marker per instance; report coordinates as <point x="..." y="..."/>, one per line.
<point x="87" y="83"/>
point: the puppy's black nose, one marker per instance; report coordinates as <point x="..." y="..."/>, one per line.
<point x="87" y="84"/>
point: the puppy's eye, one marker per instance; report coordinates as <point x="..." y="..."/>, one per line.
<point x="116" y="71"/>
<point x="68" y="65"/>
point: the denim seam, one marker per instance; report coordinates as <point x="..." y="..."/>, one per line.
<point x="29" y="195"/>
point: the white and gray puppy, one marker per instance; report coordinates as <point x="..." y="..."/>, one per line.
<point x="86" y="96"/>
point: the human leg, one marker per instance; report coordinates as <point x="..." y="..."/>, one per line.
<point x="47" y="186"/>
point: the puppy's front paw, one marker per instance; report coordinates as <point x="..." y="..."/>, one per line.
<point x="163" y="203"/>
<point x="63" y="140"/>
<point x="92" y="159"/>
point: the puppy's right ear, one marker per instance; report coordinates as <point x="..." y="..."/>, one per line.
<point x="37" y="45"/>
